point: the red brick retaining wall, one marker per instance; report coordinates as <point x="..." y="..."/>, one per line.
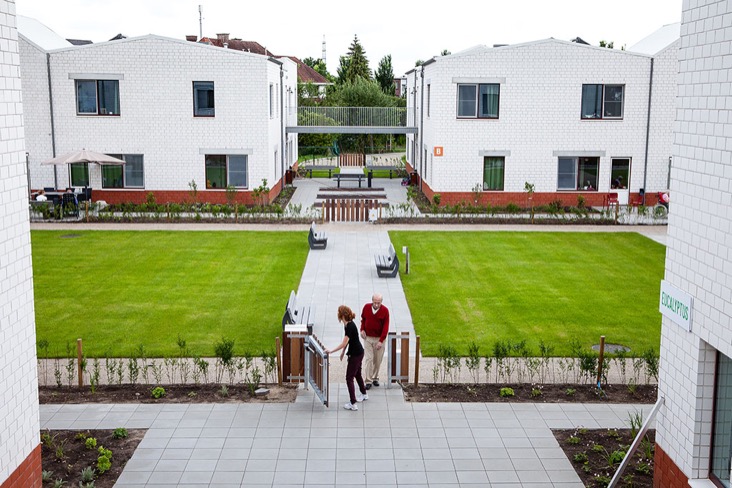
<point x="666" y="474"/>
<point x="28" y="474"/>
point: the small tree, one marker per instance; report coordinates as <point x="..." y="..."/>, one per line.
<point x="385" y="75"/>
<point x="529" y="189"/>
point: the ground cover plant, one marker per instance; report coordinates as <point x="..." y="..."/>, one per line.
<point x="118" y="289"/>
<point x="559" y="288"/>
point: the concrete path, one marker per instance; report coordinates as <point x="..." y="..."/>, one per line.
<point x="387" y="443"/>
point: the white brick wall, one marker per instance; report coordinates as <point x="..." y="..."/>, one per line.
<point x="156" y="107"/>
<point x="699" y="255"/>
<point x="540" y="106"/>
<point x="19" y="421"/>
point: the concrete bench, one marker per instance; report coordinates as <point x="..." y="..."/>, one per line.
<point x="387" y="265"/>
<point x="317" y="240"/>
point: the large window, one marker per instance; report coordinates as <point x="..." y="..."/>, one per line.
<point x="493" y="173"/>
<point x="478" y="101"/>
<point x="97" y="97"/>
<point x="602" y="101"/>
<point x="620" y="173"/>
<point x="79" y="174"/>
<point x="223" y="171"/>
<point x="203" y="99"/>
<point x="577" y="173"/>
<point x="722" y="424"/>
<point x="129" y="175"/>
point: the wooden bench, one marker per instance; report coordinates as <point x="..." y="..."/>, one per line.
<point x="387" y="265"/>
<point x="317" y="240"/>
<point x="349" y="176"/>
<point x="319" y="167"/>
<point x="295" y="314"/>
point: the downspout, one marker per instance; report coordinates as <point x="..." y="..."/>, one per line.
<point x="53" y="130"/>
<point x="421" y="129"/>
<point x="648" y="130"/>
<point x="282" y="128"/>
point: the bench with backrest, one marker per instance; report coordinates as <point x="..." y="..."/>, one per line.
<point x="296" y="314"/>
<point x="317" y="240"/>
<point x="387" y="265"/>
<point x="349" y="176"/>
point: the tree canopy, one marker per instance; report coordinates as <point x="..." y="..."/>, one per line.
<point x="385" y="75"/>
<point x="354" y="64"/>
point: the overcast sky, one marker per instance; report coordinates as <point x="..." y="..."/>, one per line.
<point x="407" y="30"/>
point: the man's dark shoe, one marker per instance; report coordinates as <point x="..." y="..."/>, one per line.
<point x="368" y="386"/>
<point x="376" y="383"/>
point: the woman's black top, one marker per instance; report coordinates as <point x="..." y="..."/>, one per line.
<point x="354" y="342"/>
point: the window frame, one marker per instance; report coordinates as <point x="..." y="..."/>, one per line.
<point x="603" y="101"/>
<point x="125" y="184"/>
<point x="97" y="100"/>
<point x="85" y="167"/>
<point x="476" y="113"/>
<point x="578" y="173"/>
<point x="197" y="110"/>
<point x="502" y="160"/>
<point x="227" y="170"/>
<point x="714" y="444"/>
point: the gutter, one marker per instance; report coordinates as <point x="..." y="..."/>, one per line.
<point x="282" y="129"/>
<point x="421" y="130"/>
<point x="50" y="109"/>
<point x="648" y="130"/>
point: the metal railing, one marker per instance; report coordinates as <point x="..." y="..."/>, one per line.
<point x="352" y="116"/>
<point x="316" y="368"/>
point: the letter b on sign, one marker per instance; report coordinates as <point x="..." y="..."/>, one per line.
<point x="438" y="151"/>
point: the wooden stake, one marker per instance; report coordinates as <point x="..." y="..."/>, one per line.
<point x="599" y="360"/>
<point x="87" y="211"/>
<point x="416" y="362"/>
<point x="279" y="362"/>
<point x="79" y="360"/>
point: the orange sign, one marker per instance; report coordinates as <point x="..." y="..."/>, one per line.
<point x="438" y="151"/>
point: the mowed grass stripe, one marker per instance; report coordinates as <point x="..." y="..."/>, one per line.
<point x="555" y="287"/>
<point x="119" y="289"/>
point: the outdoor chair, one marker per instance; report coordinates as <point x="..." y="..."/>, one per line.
<point x="69" y="205"/>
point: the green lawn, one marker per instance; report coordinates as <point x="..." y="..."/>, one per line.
<point x="555" y="287"/>
<point x="118" y="289"/>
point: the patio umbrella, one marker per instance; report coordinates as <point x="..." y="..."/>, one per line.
<point x="84" y="156"/>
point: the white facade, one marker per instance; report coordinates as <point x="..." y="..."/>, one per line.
<point x="156" y="119"/>
<point x="19" y="413"/>
<point x="699" y="255"/>
<point x="539" y="115"/>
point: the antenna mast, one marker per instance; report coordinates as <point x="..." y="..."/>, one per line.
<point x="200" y="22"/>
<point x="323" y="55"/>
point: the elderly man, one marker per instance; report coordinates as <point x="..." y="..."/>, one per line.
<point x="374" y="329"/>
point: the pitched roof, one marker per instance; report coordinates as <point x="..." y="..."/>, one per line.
<point x="658" y="40"/>
<point x="305" y="74"/>
<point x="39" y="34"/>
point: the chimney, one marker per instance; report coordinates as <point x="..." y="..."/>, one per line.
<point x="223" y="37"/>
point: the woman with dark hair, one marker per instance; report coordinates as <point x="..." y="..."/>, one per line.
<point x="355" y="357"/>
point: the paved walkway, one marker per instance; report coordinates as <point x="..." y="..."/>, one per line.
<point x="387" y="443"/>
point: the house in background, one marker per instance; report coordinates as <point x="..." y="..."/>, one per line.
<point x="571" y="119"/>
<point x="177" y="112"/>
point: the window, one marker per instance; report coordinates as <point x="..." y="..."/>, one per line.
<point x="97" y="97"/>
<point x="203" y="99"/>
<point x="602" y="101"/>
<point x="493" y="173"/>
<point x="222" y="171"/>
<point x="722" y="423"/>
<point x="131" y="175"/>
<point x="79" y="173"/>
<point x="620" y="174"/>
<point x="478" y="101"/>
<point x="577" y="173"/>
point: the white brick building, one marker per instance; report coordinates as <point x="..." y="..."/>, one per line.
<point x="566" y="117"/>
<point x="694" y="434"/>
<point x="176" y="111"/>
<point x="20" y="453"/>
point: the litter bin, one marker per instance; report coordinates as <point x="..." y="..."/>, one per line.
<point x="413" y="178"/>
<point x="288" y="177"/>
<point x="369" y="177"/>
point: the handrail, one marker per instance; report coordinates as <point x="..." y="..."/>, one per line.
<point x="352" y="116"/>
<point x="636" y="442"/>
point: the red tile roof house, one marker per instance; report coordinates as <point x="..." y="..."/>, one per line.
<point x="177" y="112"/>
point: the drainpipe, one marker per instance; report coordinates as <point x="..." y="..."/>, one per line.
<point x="421" y="129"/>
<point x="648" y="130"/>
<point x="282" y="128"/>
<point x="50" y="107"/>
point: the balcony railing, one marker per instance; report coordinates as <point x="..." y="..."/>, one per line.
<point x="352" y="116"/>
